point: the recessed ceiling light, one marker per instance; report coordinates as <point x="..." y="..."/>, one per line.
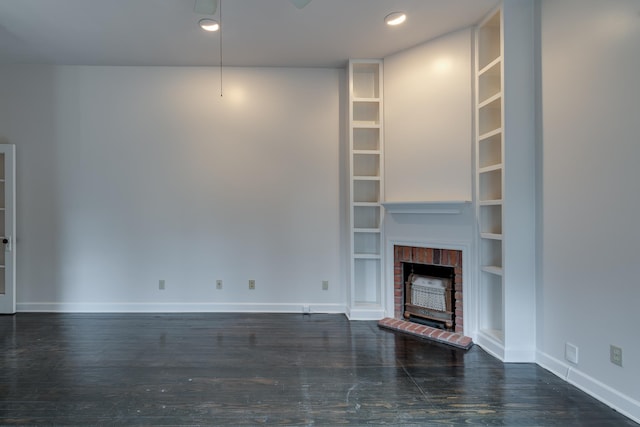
<point x="395" y="18"/>
<point x="209" y="24"/>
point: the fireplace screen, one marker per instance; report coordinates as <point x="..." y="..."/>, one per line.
<point x="429" y="298"/>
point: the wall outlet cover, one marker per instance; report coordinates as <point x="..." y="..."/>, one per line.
<point x="615" y="355"/>
<point x="571" y="353"/>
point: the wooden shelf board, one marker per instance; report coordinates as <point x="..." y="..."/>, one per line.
<point x="489" y="100"/>
<point x="495" y="334"/>
<point x="490" y="168"/>
<point x="490" y="65"/>
<point x="496" y="202"/>
<point x="362" y="99"/>
<point x="492" y="269"/>
<point x="367" y="152"/>
<point x="366" y="178"/>
<point x="366" y="256"/>
<point x="490" y="202"/>
<point x="366" y="204"/>
<point x="366" y="125"/>
<point x="366" y="230"/>
<point x="489" y="134"/>
<point x="492" y="236"/>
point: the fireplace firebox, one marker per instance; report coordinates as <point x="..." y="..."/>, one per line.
<point x="429" y="295"/>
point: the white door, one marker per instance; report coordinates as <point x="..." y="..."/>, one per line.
<point x="7" y="229"/>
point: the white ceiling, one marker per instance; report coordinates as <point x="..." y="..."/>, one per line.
<point x="255" y="32"/>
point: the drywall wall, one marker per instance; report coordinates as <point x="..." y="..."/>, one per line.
<point x="428" y="150"/>
<point x="428" y="107"/>
<point x="131" y="175"/>
<point x="590" y="280"/>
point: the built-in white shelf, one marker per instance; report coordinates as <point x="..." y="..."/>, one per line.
<point x="492" y="269"/>
<point x="504" y="123"/>
<point x="365" y="99"/>
<point x="452" y="207"/>
<point x="490" y="202"/>
<point x="496" y="334"/>
<point x="366" y="256"/>
<point x="366" y="167"/>
<point x="487" y="69"/>
<point x="489" y="100"/>
<point x="492" y="236"/>
<point x="366" y="230"/>
<point x="490" y="168"/>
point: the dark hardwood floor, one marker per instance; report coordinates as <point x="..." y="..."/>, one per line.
<point x="274" y="369"/>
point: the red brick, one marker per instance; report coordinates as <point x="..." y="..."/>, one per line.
<point x="464" y="341"/>
<point x="445" y="336"/>
<point x="445" y="257"/>
<point x="425" y="256"/>
<point x="429" y="256"/>
<point x="453" y="258"/>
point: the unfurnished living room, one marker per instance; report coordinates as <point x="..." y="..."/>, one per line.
<point x="319" y="212"/>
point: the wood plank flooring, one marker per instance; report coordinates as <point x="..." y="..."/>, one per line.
<point x="265" y="369"/>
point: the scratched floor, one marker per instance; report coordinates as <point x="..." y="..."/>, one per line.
<point x="274" y="369"/>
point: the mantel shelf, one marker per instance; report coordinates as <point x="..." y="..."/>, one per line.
<point x="451" y="207"/>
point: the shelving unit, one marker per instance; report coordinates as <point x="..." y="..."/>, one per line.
<point x="489" y="174"/>
<point x="7" y="229"/>
<point x="505" y="190"/>
<point x="2" y="225"/>
<point x="366" y="165"/>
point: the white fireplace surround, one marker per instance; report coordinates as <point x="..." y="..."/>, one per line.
<point x="468" y="282"/>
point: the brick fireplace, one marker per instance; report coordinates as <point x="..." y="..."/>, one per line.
<point x="428" y="256"/>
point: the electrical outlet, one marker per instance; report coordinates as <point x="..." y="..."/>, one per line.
<point x="325" y="285"/>
<point x="161" y="284"/>
<point x="571" y="353"/>
<point x="615" y="355"/>
<point x="252" y="284"/>
<point x="218" y="284"/>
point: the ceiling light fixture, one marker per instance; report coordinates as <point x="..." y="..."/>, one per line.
<point x="209" y="24"/>
<point x="395" y="18"/>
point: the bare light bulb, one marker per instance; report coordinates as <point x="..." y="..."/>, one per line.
<point x="209" y="24"/>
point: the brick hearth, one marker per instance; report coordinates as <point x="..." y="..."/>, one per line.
<point x="422" y="331"/>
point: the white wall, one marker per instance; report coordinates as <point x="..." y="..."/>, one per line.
<point x="590" y="287"/>
<point x="129" y="175"/>
<point x="428" y="107"/>
<point x="428" y="146"/>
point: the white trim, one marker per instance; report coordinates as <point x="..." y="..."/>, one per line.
<point x="620" y="402"/>
<point x="468" y="286"/>
<point x="359" y="313"/>
<point x="128" y="307"/>
<point x="435" y="207"/>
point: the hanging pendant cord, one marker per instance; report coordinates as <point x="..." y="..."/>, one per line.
<point x="221" y="48"/>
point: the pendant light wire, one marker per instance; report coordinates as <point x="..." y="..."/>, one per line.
<point x="221" y="29"/>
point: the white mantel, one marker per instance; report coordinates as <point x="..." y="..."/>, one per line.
<point x="438" y="207"/>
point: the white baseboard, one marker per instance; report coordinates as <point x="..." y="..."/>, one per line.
<point x="365" y="313"/>
<point x="79" y="307"/>
<point x="620" y="402"/>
